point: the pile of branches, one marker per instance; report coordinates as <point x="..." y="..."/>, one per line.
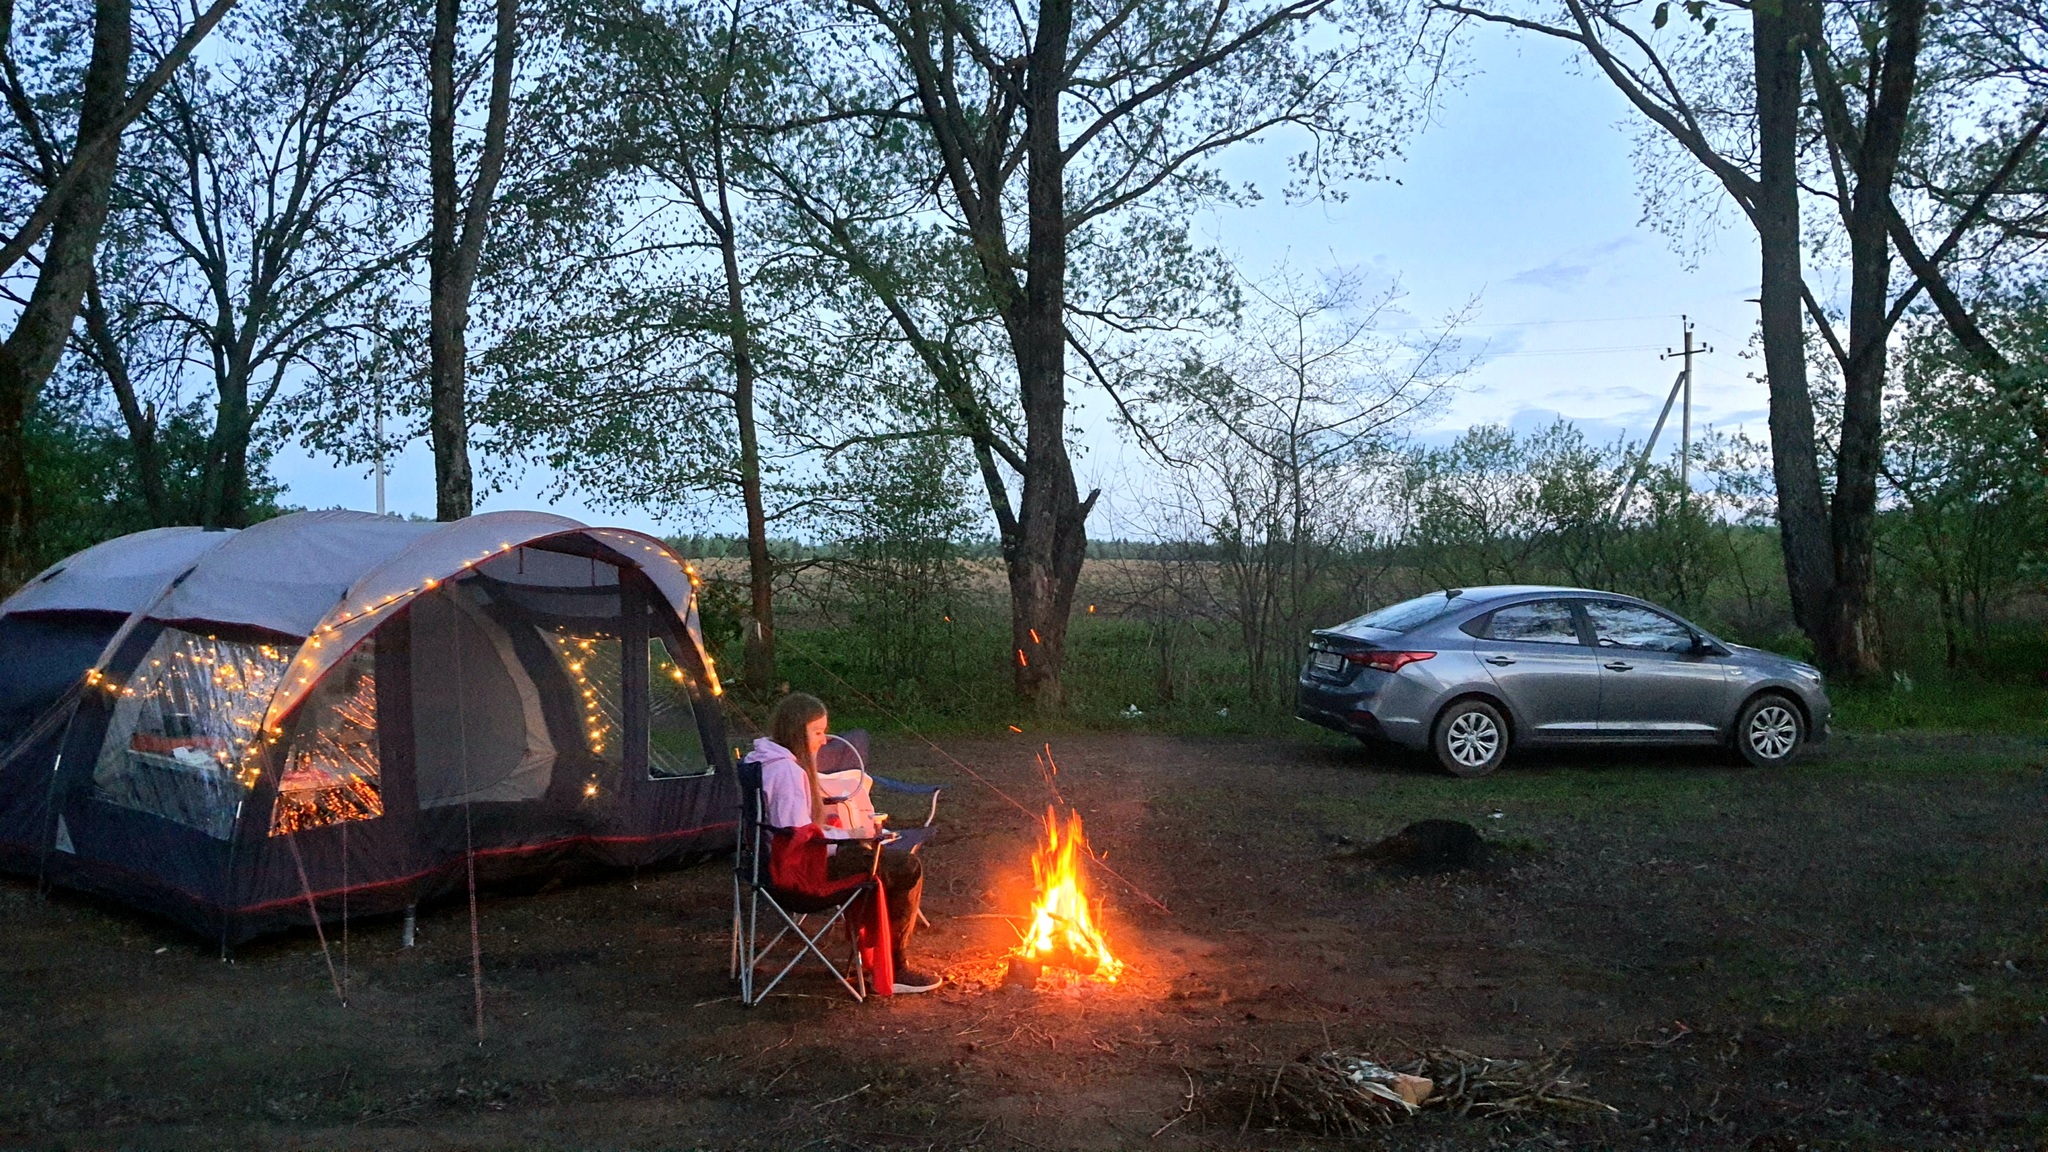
<point x="1345" y="1094"/>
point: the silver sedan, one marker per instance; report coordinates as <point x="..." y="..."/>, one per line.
<point x="1469" y="673"/>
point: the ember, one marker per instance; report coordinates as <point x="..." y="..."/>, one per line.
<point x="1062" y="932"/>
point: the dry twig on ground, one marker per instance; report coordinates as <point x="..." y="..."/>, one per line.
<point x="1344" y="1094"/>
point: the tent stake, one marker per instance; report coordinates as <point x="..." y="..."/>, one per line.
<point x="406" y="937"/>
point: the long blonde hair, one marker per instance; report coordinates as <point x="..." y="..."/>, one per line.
<point x="787" y="726"/>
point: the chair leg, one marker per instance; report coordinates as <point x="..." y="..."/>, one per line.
<point x="807" y="942"/>
<point x="753" y="954"/>
<point x="735" y="973"/>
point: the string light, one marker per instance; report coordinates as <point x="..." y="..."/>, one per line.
<point x="576" y="653"/>
<point x="251" y="703"/>
<point x="333" y="769"/>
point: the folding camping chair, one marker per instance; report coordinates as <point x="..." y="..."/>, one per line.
<point x="752" y="888"/>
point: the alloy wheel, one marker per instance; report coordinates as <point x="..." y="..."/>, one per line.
<point x="1773" y="731"/>
<point x="1472" y="739"/>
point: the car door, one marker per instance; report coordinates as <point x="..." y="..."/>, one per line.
<point x="1545" y="672"/>
<point x="1656" y="683"/>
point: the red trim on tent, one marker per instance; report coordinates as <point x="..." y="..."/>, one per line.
<point x="506" y="851"/>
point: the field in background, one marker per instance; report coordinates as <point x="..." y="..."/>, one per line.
<point x="1133" y="667"/>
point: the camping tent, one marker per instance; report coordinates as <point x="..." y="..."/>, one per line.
<point x="238" y="728"/>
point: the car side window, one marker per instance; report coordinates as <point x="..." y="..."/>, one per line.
<point x="1617" y="625"/>
<point x="1537" y="622"/>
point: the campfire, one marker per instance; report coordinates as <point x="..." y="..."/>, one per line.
<point x="1062" y="932"/>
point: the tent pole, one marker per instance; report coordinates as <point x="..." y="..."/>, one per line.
<point x="344" y="911"/>
<point x="227" y="885"/>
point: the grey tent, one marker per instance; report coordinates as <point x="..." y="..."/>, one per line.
<point x="236" y="728"/>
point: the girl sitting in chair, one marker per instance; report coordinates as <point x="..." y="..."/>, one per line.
<point x="788" y="756"/>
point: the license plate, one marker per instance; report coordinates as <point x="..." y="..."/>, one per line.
<point x="1325" y="661"/>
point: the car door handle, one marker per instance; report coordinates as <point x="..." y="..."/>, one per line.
<point x="1617" y="666"/>
<point x="1500" y="661"/>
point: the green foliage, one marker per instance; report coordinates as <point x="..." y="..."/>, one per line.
<point x="898" y="512"/>
<point x="83" y="473"/>
<point x="1498" y="507"/>
<point x="1968" y="525"/>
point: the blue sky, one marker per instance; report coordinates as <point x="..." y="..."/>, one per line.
<point x="1519" y="198"/>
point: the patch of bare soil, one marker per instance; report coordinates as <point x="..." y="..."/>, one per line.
<point x="1833" y="957"/>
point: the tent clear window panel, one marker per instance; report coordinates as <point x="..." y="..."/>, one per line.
<point x="675" y="745"/>
<point x="184" y="741"/>
<point x="595" y="666"/>
<point x="331" y="770"/>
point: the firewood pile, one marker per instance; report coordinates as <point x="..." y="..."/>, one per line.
<point x="1346" y="1094"/>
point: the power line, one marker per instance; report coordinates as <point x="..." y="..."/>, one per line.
<point x="1535" y="323"/>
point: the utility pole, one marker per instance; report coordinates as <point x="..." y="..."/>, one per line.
<point x="1680" y="386"/>
<point x="1685" y="417"/>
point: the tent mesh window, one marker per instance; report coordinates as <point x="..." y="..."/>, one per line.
<point x="675" y="745"/>
<point x="331" y="772"/>
<point x="184" y="742"/>
<point x="594" y="664"/>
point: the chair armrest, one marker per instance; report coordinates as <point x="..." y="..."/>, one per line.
<point x="905" y="786"/>
<point x="931" y="790"/>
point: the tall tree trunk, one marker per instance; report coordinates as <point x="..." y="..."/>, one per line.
<point x="455" y="244"/>
<point x="1051" y="539"/>
<point x="760" y="637"/>
<point x="31" y="352"/>
<point x="1802" y="511"/>
<point x="1854" y="514"/>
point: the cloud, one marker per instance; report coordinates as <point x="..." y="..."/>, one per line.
<point x="1572" y="269"/>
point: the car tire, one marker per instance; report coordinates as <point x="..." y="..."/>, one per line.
<point x="1770" y="731"/>
<point x="1471" y="739"/>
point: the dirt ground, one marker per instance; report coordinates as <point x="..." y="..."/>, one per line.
<point x="1846" y="954"/>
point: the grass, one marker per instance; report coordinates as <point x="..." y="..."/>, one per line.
<point x="1950" y="702"/>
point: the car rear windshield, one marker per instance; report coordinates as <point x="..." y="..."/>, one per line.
<point x="1406" y="616"/>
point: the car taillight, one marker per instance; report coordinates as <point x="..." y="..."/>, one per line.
<point x="1387" y="661"/>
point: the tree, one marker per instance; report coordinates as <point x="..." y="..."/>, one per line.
<point x="70" y="206"/>
<point x="644" y="370"/>
<point x="1750" y="129"/>
<point x="457" y="226"/>
<point x="1277" y="435"/>
<point x="264" y="192"/>
<point x="1062" y="150"/>
<point x="1968" y="508"/>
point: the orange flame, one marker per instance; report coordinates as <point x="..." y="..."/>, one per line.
<point x="1063" y="932"/>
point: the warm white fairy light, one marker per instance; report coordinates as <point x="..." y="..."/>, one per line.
<point x="576" y="653"/>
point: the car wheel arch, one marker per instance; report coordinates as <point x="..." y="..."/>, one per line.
<point x="1789" y="694"/>
<point x="1499" y="705"/>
